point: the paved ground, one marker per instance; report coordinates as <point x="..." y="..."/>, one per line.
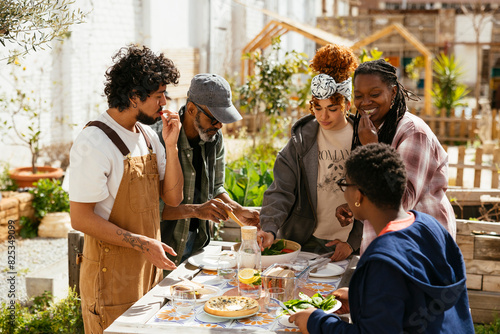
<point x="30" y="255"/>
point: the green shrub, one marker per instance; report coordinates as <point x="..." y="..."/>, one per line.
<point x="492" y="328"/>
<point x="247" y="181"/>
<point x="29" y="227"/>
<point x="43" y="316"/>
<point x="6" y="183"/>
<point x="49" y="196"/>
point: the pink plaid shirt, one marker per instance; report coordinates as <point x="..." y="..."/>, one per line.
<point x="427" y="169"/>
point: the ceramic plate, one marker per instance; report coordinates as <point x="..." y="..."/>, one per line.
<point x="283" y="320"/>
<point x="330" y="269"/>
<point x="203" y="298"/>
<point x="207" y="261"/>
<point x="236" y="318"/>
<point x="306" y="255"/>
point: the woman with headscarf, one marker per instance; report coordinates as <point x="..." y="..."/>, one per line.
<point x="300" y="204"/>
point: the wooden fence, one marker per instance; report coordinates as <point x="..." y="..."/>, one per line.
<point x="461" y="129"/>
<point x="483" y="160"/>
<point x="450" y="130"/>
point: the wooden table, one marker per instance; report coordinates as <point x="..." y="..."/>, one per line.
<point x="135" y="319"/>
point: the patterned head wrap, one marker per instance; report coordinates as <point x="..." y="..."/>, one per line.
<point x="323" y="86"/>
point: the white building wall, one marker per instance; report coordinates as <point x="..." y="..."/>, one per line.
<point x="466" y="53"/>
<point x="73" y="70"/>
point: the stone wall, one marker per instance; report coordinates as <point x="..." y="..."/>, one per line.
<point x="13" y="206"/>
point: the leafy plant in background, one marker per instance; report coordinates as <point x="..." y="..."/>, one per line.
<point x="414" y="67"/>
<point x="32" y="26"/>
<point x="447" y="91"/>
<point x="29" y="227"/>
<point x="23" y="110"/>
<point x="43" y="316"/>
<point x="246" y="181"/>
<point x="6" y="183"/>
<point x="272" y="90"/>
<point x="492" y="328"/>
<point x="49" y="196"/>
<point x="373" y="54"/>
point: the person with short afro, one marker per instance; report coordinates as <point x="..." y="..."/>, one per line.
<point x="301" y="202"/>
<point x="411" y="278"/>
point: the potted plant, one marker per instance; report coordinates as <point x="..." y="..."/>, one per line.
<point x="447" y="91"/>
<point x="22" y="127"/>
<point x="51" y="204"/>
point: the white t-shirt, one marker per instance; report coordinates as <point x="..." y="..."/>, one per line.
<point x="96" y="164"/>
<point x="334" y="146"/>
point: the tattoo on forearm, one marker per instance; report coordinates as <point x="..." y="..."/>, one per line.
<point x="175" y="186"/>
<point x="134" y="241"/>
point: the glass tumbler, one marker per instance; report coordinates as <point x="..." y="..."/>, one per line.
<point x="273" y="294"/>
<point x="227" y="267"/>
<point x="183" y="299"/>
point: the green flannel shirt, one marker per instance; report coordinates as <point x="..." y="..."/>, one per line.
<point x="175" y="232"/>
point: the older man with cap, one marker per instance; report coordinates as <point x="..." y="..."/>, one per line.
<point x="201" y="153"/>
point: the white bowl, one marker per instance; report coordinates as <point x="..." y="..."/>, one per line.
<point x="269" y="260"/>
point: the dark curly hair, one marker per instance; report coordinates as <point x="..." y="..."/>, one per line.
<point x="337" y="61"/>
<point x="387" y="73"/>
<point x="379" y="172"/>
<point x="137" y="72"/>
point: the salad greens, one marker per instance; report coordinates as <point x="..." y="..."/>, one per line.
<point x="274" y="249"/>
<point x="305" y="302"/>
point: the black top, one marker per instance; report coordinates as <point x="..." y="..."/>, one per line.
<point x="198" y="167"/>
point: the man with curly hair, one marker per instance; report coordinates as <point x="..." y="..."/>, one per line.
<point x="119" y="170"/>
<point x="201" y="153"/>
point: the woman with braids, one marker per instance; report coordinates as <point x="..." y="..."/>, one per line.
<point x="300" y="204"/>
<point x="411" y="278"/>
<point x="382" y="117"/>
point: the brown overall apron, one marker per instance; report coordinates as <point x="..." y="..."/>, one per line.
<point x="112" y="278"/>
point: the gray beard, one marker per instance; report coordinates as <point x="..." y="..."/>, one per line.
<point x="202" y="132"/>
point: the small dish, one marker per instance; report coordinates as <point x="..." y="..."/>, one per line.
<point x="283" y="320"/>
<point x="206" y="261"/>
<point x="203" y="298"/>
<point x="330" y="269"/>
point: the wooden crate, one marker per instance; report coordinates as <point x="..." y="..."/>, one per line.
<point x="481" y="254"/>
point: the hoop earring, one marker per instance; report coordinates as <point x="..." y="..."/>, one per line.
<point x="135" y="105"/>
<point x="357" y="204"/>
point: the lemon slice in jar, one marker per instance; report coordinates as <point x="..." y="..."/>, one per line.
<point x="248" y="276"/>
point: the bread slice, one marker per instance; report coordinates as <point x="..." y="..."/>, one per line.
<point x="199" y="289"/>
<point x="280" y="277"/>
